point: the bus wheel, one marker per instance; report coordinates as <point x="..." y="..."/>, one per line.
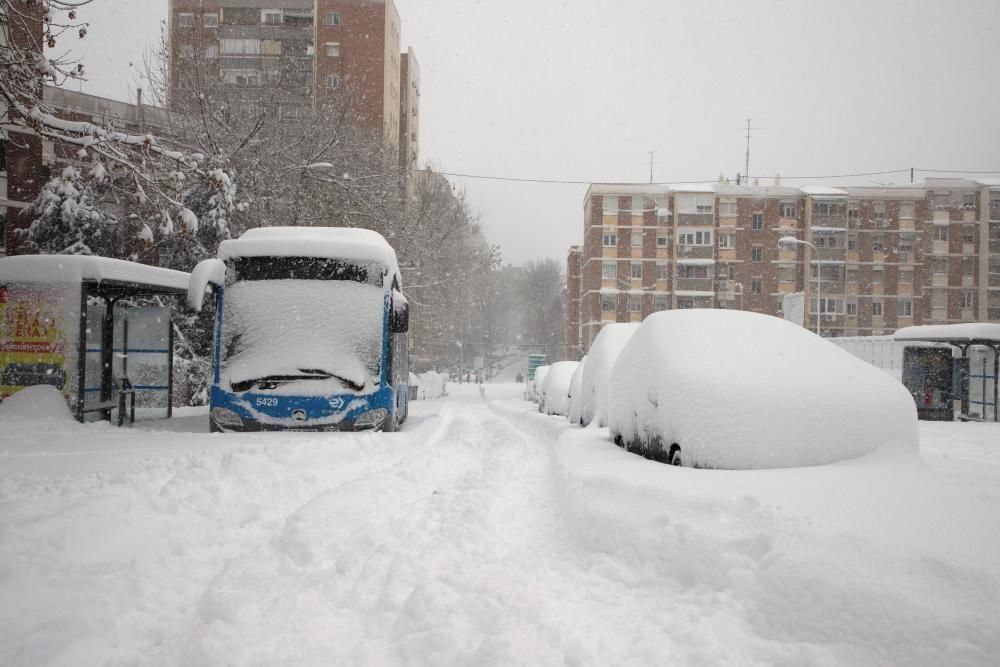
<point x="391" y="424"/>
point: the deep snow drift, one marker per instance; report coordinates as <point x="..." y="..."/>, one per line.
<point x="485" y="533"/>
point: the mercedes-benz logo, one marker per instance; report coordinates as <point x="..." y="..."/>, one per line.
<point x="299" y="415"/>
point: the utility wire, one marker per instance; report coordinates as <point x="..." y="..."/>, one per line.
<point x="556" y="181"/>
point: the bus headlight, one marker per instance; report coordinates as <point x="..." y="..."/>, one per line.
<point x="372" y="418"/>
<point x="225" y="418"/>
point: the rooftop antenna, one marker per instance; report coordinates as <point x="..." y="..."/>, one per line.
<point x="651" y="154"/>
<point x="746" y="169"/>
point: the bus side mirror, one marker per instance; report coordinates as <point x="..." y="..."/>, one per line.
<point x="207" y="271"/>
<point x="399" y="318"/>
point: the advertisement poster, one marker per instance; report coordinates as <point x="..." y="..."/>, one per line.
<point x="34" y="337"/>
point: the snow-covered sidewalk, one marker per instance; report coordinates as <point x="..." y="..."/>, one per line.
<point x="485" y="533"/>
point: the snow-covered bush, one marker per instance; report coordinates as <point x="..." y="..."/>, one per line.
<point x="66" y="218"/>
<point x="575" y="394"/>
<point x="556" y="388"/>
<point x="432" y="385"/>
<point x="740" y="390"/>
<point x="603" y="353"/>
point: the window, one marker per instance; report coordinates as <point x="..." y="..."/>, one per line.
<point x="609" y="270"/>
<point x="610" y="239"/>
<point x="908" y="210"/>
<point x="727" y="209"/>
<point x="876" y="309"/>
<point x="878" y="219"/>
<point x="239" y="47"/>
<point x="695" y="204"/>
<point x="211" y="51"/>
<point x="693" y="271"/>
<point x="967" y="299"/>
<point x="610" y="205"/>
<point x="662" y="241"/>
<point x="969" y="201"/>
<point x="828" y="208"/>
<point x="661" y="302"/>
<point x="827" y="306"/>
<point x="608" y="302"/>
<point x="852" y="275"/>
<point x="968" y="266"/>
<point x="942" y="200"/>
<point x="703" y="237"/>
<point x="788" y="210"/>
<point x="757" y="222"/>
<point x="995" y="207"/>
<point x="878" y="277"/>
<point x="637" y="239"/>
<point x="878" y="242"/>
<point x="757" y="254"/>
<point x="636" y="271"/>
<point x="333" y="49"/>
<point x="638" y="205"/>
<point x="939" y="265"/>
<point x="662" y="211"/>
<point x="210" y="20"/>
<point x="662" y="271"/>
<point x="271" y="17"/>
<point x="185" y="20"/>
<point x="635" y="302"/>
<point x="906" y="242"/>
<point x="968" y="234"/>
<point x="332" y="81"/>
<point x="852" y="241"/>
<point x="940" y="232"/>
<point x="852" y="308"/>
<point x="905" y="307"/>
<point x="755" y="285"/>
<point x="332" y="18"/>
<point x="727" y="241"/>
<point x="906" y="276"/>
<point x="854" y="212"/>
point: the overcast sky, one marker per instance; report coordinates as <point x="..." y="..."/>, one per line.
<point x="582" y="90"/>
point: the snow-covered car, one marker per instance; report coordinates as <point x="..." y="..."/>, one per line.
<point x="597" y="374"/>
<point x="740" y="390"/>
<point x="575" y="392"/>
<point x="555" y="390"/>
<point x="535" y="384"/>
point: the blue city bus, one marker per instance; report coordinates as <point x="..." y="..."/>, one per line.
<point x="310" y="331"/>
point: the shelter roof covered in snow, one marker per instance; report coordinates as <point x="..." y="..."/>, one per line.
<point x="967" y="332"/>
<point x="67" y="269"/>
<point x="360" y="245"/>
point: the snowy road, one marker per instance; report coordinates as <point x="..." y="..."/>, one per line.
<point x="487" y="534"/>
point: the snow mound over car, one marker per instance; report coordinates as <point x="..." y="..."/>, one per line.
<point x="534" y="392"/>
<point x="556" y="388"/>
<point x="575" y="393"/>
<point x="38" y="403"/>
<point x="597" y="375"/>
<point x="742" y="390"/>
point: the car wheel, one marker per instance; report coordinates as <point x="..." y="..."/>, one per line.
<point x="675" y="456"/>
<point x="391" y="424"/>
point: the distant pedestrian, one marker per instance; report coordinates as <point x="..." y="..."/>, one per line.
<point x="520" y="378"/>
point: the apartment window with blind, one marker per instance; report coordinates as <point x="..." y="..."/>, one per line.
<point x="635" y="302"/>
<point x="331" y="19"/>
<point x="757" y="222"/>
<point x="608" y="302"/>
<point x="185" y="20"/>
<point x="636" y="239"/>
<point x="210" y="20"/>
<point x="333" y="49"/>
<point x="757" y="254"/>
<point x="610" y="239"/>
<point x="610" y="205"/>
<point x="636" y="271"/>
<point x="609" y="270"/>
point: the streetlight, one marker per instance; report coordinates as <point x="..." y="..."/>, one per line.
<point x="791" y="240"/>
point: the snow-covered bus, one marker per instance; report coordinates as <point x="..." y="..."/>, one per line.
<point x="310" y="331"/>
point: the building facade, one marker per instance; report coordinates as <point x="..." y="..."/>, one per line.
<point x="880" y="258"/>
<point x="315" y="52"/>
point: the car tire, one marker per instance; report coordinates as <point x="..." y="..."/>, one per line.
<point x="676" y="459"/>
<point x="391" y="424"/>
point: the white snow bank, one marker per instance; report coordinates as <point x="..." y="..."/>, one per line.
<point x="575" y="393"/>
<point x="742" y="390"/>
<point x="38" y="403"/>
<point x="596" y="376"/>
<point x="358" y="245"/>
<point x="432" y="385"/>
<point x="556" y="388"/>
<point x="76" y="268"/>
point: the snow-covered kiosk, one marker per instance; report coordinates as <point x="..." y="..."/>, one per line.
<point x="74" y="322"/>
<point x="972" y="378"/>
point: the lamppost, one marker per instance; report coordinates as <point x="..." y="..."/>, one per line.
<point x="791" y="240"/>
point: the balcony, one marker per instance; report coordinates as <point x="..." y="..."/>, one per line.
<point x="827" y="287"/>
<point x="706" y="219"/>
<point x="695" y="252"/>
<point x="830" y="254"/>
<point x="693" y="285"/>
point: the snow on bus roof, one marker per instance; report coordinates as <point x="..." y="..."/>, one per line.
<point x="964" y="332"/>
<point x="67" y="269"/>
<point x="362" y="245"/>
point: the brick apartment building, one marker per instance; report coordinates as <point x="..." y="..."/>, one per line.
<point x="887" y="257"/>
<point x="315" y="51"/>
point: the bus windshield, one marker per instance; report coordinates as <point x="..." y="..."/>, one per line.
<point x="302" y="326"/>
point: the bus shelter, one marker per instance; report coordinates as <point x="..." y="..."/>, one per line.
<point x="88" y="327"/>
<point x="973" y="378"/>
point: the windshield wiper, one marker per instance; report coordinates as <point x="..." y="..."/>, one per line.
<point x="272" y="381"/>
